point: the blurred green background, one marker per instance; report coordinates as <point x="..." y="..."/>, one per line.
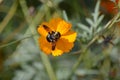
<point x="21" y="59"/>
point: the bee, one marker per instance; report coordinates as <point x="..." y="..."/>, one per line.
<point x="107" y="39"/>
<point x="52" y="36"/>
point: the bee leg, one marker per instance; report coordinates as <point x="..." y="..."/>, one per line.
<point x="103" y="36"/>
<point x="112" y="43"/>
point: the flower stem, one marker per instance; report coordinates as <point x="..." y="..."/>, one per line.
<point x="32" y="23"/>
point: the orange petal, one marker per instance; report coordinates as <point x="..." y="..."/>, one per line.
<point x="70" y="36"/>
<point x="64" y="45"/>
<point x="109" y="6"/>
<point x="63" y="27"/>
<point x="45" y="45"/>
<point x="57" y="52"/>
<point x="117" y="1"/>
<point x="54" y="22"/>
<point x="42" y="30"/>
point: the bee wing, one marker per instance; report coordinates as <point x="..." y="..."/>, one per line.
<point x="47" y="28"/>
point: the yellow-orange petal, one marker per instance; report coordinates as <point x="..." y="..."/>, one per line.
<point x="70" y="36"/>
<point x="42" y="30"/>
<point x="64" y="45"/>
<point x="45" y="46"/>
<point x="54" y="22"/>
<point x="57" y="52"/>
<point x="63" y="27"/>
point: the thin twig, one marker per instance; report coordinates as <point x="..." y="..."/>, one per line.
<point x="9" y="16"/>
<point x="13" y="34"/>
<point x="83" y="52"/>
<point x="11" y="43"/>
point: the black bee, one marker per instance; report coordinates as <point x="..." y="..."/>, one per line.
<point x="107" y="40"/>
<point x="52" y="36"/>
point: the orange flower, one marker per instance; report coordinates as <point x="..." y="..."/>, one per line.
<point x="109" y="6"/>
<point x="56" y="37"/>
